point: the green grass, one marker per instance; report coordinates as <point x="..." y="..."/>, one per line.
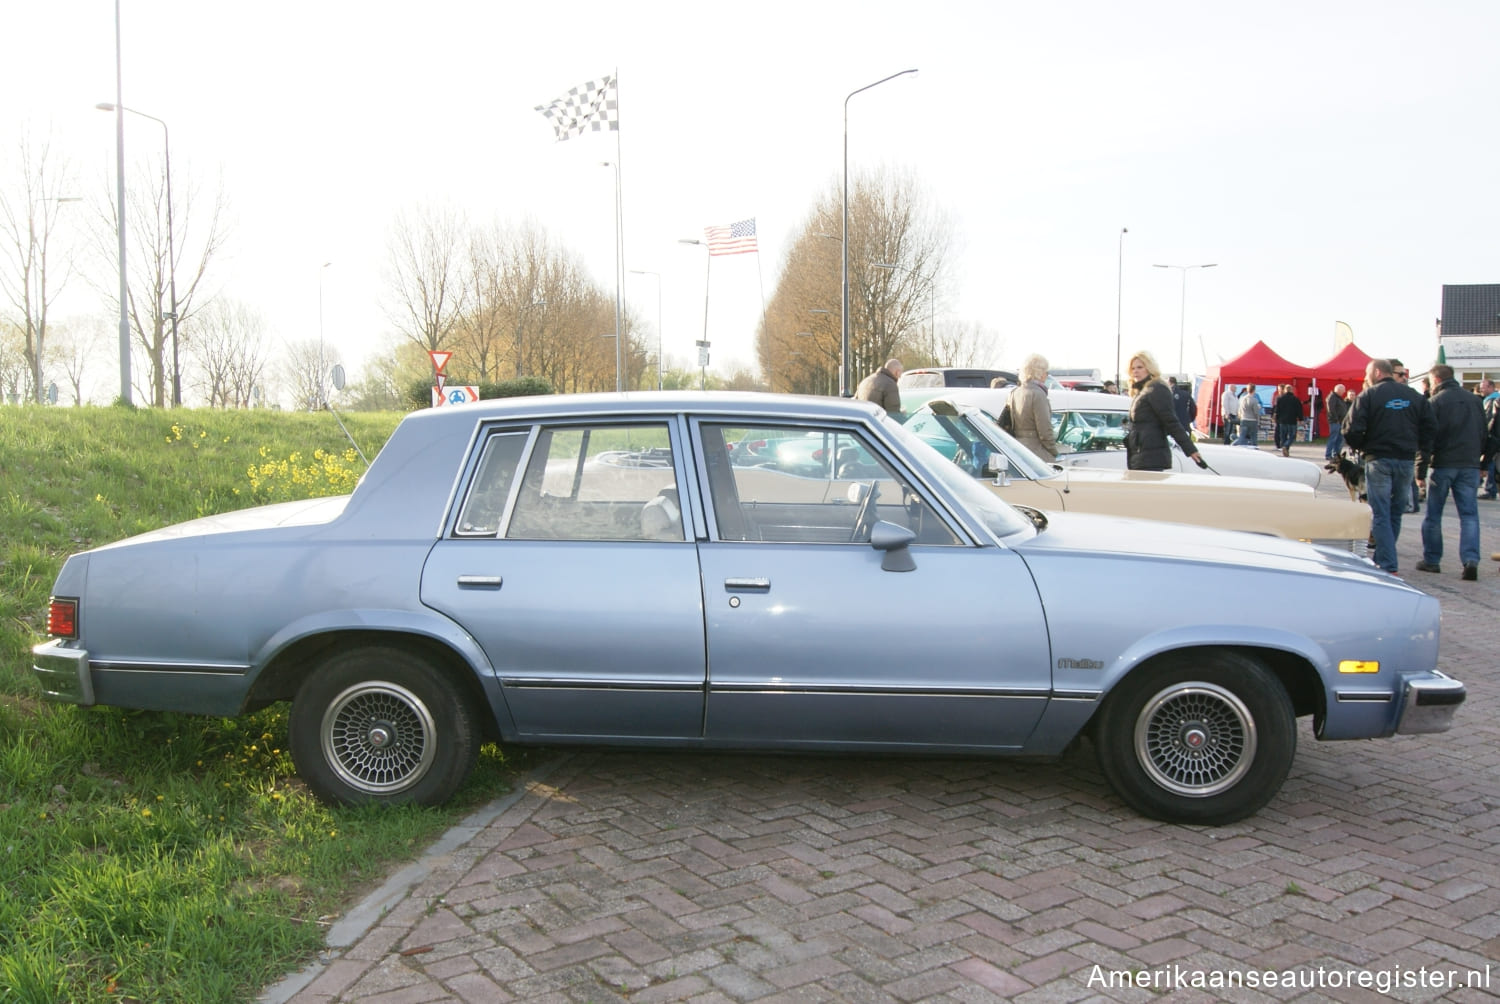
<point x="151" y="856"/>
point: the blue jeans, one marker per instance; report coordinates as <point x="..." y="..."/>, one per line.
<point x="1489" y="477"/>
<point x="1248" y="432"/>
<point x="1286" y="434"/>
<point x="1335" y="442"/>
<point x="1463" y="482"/>
<point x="1388" y="487"/>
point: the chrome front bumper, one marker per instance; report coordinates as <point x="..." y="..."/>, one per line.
<point x="63" y="672"/>
<point x="1428" y="704"/>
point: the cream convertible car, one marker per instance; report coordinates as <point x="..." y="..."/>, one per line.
<point x="970" y="437"/>
<point x="1090" y="431"/>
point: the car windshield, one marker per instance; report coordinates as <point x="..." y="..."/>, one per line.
<point x="997" y="515"/>
<point x="1084" y="431"/>
<point x="972" y="439"/>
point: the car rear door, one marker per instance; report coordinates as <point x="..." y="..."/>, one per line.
<point x="812" y="643"/>
<point x="567" y="561"/>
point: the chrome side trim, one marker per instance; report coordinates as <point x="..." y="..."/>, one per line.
<point x="552" y="683"/>
<point x="1077" y="695"/>
<point x="1363" y="697"/>
<point x="846" y="690"/>
<point x="198" y="669"/>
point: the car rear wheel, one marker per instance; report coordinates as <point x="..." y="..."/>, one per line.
<point x="382" y="725"/>
<point x="1205" y="739"/>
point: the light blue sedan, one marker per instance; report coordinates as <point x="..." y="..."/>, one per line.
<point x="639" y="570"/>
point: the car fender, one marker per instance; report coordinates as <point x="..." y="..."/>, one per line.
<point x="1079" y="690"/>
<point x="422" y="623"/>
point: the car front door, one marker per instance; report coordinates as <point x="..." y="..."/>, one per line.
<point x="811" y="642"/>
<point x="567" y="562"/>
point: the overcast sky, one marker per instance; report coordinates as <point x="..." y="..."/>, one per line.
<point x="1336" y="160"/>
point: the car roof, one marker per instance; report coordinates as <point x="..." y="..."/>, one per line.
<point x="544" y="406"/>
<point x="951" y="374"/>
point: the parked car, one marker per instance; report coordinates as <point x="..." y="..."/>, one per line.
<point x="968" y="435"/>
<point x="1090" y="432"/>
<point x="594" y="569"/>
<point x="952" y="376"/>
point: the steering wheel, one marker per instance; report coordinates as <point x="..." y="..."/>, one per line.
<point x="864" y="520"/>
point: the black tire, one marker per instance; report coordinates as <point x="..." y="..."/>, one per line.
<point x="1204" y="739"/>
<point x="378" y="725"/>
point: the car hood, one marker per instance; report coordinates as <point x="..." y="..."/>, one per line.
<point x="1097" y="535"/>
<point x="301" y="513"/>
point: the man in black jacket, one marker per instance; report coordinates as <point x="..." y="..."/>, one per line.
<point x="1453" y="465"/>
<point x="1287" y="409"/>
<point x="1389" y="423"/>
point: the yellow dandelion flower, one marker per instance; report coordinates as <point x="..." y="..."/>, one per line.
<point x="146" y="813"/>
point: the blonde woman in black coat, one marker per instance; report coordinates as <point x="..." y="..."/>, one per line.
<point x="1152" y="420"/>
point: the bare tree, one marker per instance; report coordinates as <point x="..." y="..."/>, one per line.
<point x="74" y="344"/>
<point x="899" y="245"/>
<point x="29" y="217"/>
<point x="13" y="370"/>
<point x="425" y="275"/>
<point x="229" y="345"/>
<point x="301" y="372"/>
<point x="188" y="251"/>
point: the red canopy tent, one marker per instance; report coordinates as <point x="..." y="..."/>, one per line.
<point x="1260" y="365"/>
<point x="1347" y="367"/>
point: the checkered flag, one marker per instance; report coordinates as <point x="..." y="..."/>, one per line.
<point x="594" y="106"/>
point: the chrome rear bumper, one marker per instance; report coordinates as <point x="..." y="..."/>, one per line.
<point x="63" y="672"/>
<point x="1428" y="704"/>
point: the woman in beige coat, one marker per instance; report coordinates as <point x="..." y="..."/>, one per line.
<point x="1030" y="414"/>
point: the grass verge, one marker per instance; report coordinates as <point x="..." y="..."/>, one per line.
<point x="152" y="856"/>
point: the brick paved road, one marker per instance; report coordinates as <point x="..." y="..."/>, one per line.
<point x="666" y="877"/>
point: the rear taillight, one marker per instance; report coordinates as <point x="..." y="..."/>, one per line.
<point x="62" y="617"/>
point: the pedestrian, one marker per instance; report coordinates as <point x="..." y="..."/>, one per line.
<point x="1414" y="505"/>
<point x="1030" y="412"/>
<point x="1337" y="410"/>
<point x="1491" y="455"/>
<point x="1388" y="423"/>
<point x="1491" y="399"/>
<point x="1249" y="417"/>
<point x="1110" y="387"/>
<point x="880" y="388"/>
<point x="1153" y="420"/>
<point x="1453" y="465"/>
<point x="1183" y="405"/>
<point x="999" y="381"/>
<point x="1287" y="409"/>
<point x="1229" y="406"/>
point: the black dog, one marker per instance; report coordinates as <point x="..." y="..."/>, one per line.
<point x="1353" y="473"/>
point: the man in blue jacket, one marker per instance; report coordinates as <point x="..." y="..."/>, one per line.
<point x="1389" y="424"/>
<point x="1453" y="465"/>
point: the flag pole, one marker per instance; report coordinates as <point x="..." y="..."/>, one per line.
<point x="619" y="257"/>
<point x="764" y="330"/>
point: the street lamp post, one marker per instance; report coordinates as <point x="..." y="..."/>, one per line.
<point x="166" y="144"/>
<point x="931" y="282"/>
<point x="702" y="345"/>
<point x="1182" y="313"/>
<point x="643" y="271"/>
<point x="1119" y="301"/>
<point x="844" y="390"/>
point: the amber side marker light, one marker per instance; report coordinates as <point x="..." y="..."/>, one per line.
<point x="62" y="617"/>
<point x="1355" y="666"/>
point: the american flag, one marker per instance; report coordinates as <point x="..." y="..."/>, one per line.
<point x="734" y="238"/>
<point x="591" y="106"/>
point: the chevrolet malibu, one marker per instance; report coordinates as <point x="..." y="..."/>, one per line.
<point x="598" y="570"/>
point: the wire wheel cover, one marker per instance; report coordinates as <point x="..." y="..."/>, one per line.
<point x="1195" y="739"/>
<point x="378" y="737"/>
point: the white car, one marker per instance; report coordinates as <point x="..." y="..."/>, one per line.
<point x="1090" y="431"/>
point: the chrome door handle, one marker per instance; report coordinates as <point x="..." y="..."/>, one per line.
<point x="480" y="581"/>
<point x="747" y="585"/>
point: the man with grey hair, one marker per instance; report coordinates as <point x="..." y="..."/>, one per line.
<point x="880" y="388"/>
<point x="1389" y="423"/>
<point x="1453" y="465"/>
<point x="1337" y="409"/>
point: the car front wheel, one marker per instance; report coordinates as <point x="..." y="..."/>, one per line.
<point x="382" y="725"/>
<point x="1205" y="739"/>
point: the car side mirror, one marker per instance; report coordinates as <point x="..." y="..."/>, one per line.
<point x="998" y="466"/>
<point x="895" y="541"/>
